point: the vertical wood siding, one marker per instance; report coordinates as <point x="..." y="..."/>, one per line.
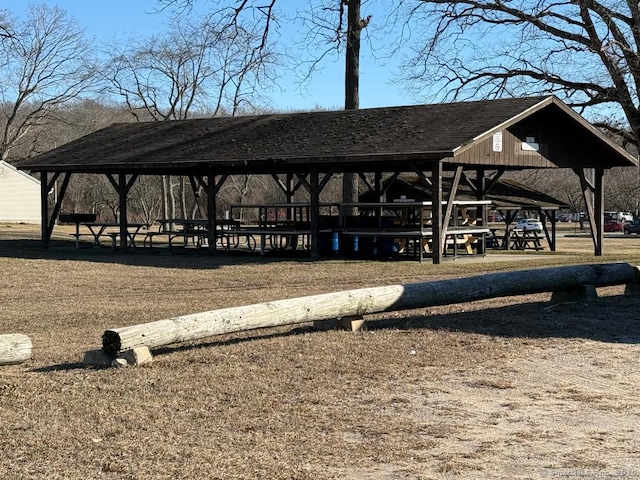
<point x="512" y="154"/>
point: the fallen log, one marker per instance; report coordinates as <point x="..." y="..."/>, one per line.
<point x="364" y="301"/>
<point x="14" y="348"/>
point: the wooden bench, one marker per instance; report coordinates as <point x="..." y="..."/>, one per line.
<point x="233" y="238"/>
<point x="198" y="237"/>
<point x="526" y="240"/>
<point x="78" y="236"/>
<point x="114" y="239"/>
<point x="466" y="241"/>
<point x="278" y="238"/>
<point x="422" y="240"/>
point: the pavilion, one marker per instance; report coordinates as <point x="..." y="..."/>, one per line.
<point x="470" y="142"/>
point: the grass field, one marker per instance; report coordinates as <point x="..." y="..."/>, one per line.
<point x="502" y="388"/>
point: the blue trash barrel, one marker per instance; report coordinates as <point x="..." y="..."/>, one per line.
<point x="335" y="242"/>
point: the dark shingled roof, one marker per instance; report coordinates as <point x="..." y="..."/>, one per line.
<point x="270" y="142"/>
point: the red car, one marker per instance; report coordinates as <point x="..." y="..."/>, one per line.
<point x="613" y="226"/>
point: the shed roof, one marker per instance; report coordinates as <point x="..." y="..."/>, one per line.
<point x="506" y="193"/>
<point x="27" y="178"/>
<point x="380" y="137"/>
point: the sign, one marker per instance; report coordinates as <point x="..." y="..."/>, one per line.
<point x="497" y="142"/>
<point x="530" y="145"/>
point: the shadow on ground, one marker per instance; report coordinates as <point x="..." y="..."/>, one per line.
<point x="609" y="319"/>
<point x="65" y="251"/>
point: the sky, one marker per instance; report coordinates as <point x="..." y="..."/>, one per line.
<point x="118" y="19"/>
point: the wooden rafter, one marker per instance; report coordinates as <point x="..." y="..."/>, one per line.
<point x="493" y="180"/>
<point x="49" y="221"/>
<point x="451" y="197"/>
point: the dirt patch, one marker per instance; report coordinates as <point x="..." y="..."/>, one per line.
<point x="502" y="388"/>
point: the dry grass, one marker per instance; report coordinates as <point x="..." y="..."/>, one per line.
<point x="501" y="388"/>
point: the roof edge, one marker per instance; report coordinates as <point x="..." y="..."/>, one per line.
<point x="501" y="126"/>
<point x="551" y="100"/>
<point x="19" y="172"/>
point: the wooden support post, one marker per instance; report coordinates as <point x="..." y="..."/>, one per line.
<point x="449" y="209"/>
<point x="554" y="231"/>
<point x="44" y="209"/>
<point x="363" y="302"/>
<point x="436" y="212"/>
<point x="14" y="348"/>
<point x="122" y="187"/>
<point x="314" y="213"/>
<point x="210" y="188"/>
<point x="124" y="221"/>
<point x="289" y="188"/>
<point x="48" y="220"/>
<point x="377" y="181"/>
<point x="481" y="211"/>
<point x="593" y="194"/>
<point x="354" y="323"/>
<point x="201" y="208"/>
<point x="598" y="212"/>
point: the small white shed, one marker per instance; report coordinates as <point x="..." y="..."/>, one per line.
<point x="19" y="196"/>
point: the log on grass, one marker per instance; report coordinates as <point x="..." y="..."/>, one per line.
<point x="14" y="348"/>
<point x="364" y="301"/>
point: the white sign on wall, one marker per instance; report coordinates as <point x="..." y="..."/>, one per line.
<point x="497" y="142"/>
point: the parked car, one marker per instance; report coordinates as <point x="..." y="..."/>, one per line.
<point x="529" y="224"/>
<point x="613" y="226"/>
<point x="625" y="216"/>
<point x="579" y="217"/>
<point x="632" y="227"/>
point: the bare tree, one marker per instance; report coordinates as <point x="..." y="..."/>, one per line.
<point x="230" y="17"/>
<point x="5" y="25"/>
<point x="146" y="201"/>
<point x="337" y="23"/>
<point x="196" y="67"/>
<point x="623" y="190"/>
<point x="44" y="65"/>
<point x="584" y="51"/>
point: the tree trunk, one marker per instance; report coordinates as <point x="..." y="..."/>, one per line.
<point x="352" y="64"/>
<point x="14" y="348"/>
<point x="172" y="198"/>
<point x="183" y="197"/>
<point x="364" y="301"/>
<point x="164" y="192"/>
<point x="352" y="88"/>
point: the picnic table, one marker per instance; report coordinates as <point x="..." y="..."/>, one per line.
<point x="180" y="233"/>
<point x="106" y="229"/>
<point x="525" y="240"/>
<point x="182" y="224"/>
<point x="77" y="219"/>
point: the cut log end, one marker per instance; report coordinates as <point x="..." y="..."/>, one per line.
<point x="111" y="343"/>
<point x="14" y="349"/>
